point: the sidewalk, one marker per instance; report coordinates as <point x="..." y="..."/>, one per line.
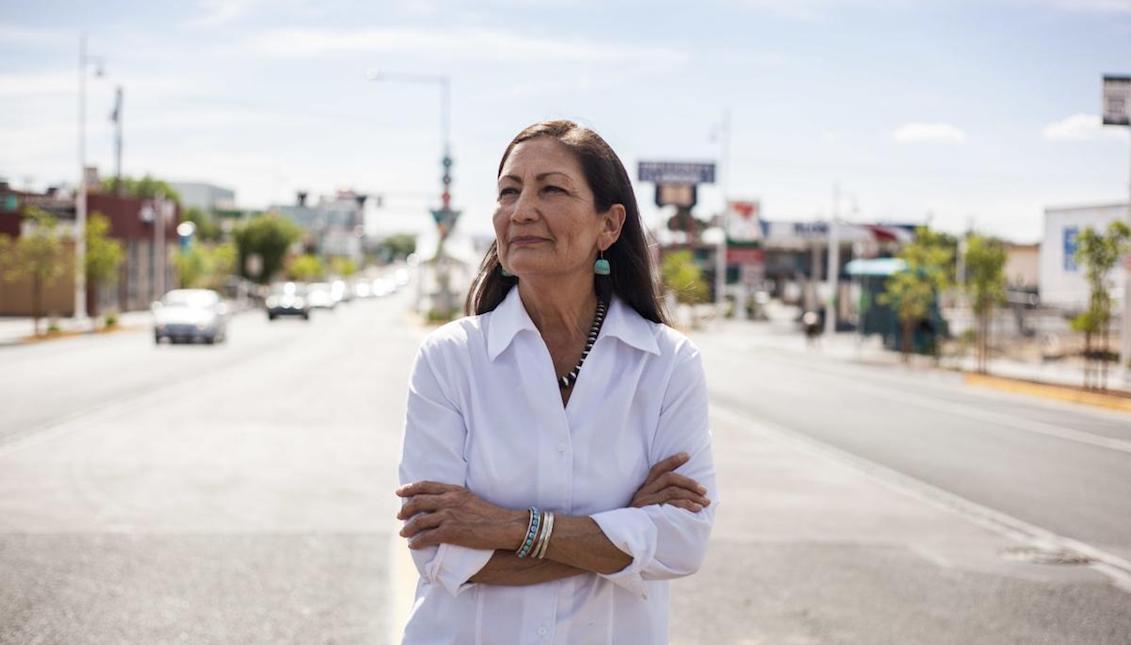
<point x="15" y="330"/>
<point x="781" y="332"/>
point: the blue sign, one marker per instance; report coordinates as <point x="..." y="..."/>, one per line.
<point x="1070" y="244"/>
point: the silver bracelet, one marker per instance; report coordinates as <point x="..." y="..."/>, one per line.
<point x="544" y="540"/>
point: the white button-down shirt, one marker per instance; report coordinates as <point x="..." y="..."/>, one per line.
<point x="485" y="412"/>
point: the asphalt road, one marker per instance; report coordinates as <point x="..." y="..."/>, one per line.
<point x="242" y="493"/>
<point x="1064" y="468"/>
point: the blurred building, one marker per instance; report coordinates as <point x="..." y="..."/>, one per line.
<point x="132" y="222"/>
<point x="334" y="227"/>
<point x="206" y="197"/>
<point x="1022" y="266"/>
<point x="1062" y="281"/>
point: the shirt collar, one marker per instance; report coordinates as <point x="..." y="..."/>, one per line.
<point x="622" y="322"/>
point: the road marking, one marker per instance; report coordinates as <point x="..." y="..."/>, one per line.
<point x="966" y="410"/>
<point x="963" y="409"/>
<point x="940" y="379"/>
<point x="402" y="583"/>
<point x="1114" y="567"/>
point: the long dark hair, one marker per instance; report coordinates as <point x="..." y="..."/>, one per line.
<point x="633" y="276"/>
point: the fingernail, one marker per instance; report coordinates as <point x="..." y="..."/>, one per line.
<point x="702" y="491"/>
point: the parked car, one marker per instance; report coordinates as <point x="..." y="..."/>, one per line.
<point x="320" y="296"/>
<point x="288" y="299"/>
<point x="341" y="291"/>
<point x="190" y="315"/>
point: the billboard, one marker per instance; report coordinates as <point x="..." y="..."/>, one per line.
<point x="743" y="221"/>
<point x="676" y="172"/>
<point x="1117" y="100"/>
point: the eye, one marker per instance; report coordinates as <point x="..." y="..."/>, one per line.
<point x="554" y="189"/>
<point x="509" y="190"/>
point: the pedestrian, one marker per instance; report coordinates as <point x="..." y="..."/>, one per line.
<point x="556" y="468"/>
<point x="811" y="321"/>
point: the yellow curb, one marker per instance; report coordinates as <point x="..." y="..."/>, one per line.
<point x="59" y="335"/>
<point x="1047" y="391"/>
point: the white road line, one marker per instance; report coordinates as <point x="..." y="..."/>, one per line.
<point x="1116" y="568"/>
<point x="962" y="409"/>
<point x="970" y="412"/>
<point x="402" y="583"/>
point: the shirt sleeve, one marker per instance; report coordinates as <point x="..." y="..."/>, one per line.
<point x="666" y="541"/>
<point x="432" y="449"/>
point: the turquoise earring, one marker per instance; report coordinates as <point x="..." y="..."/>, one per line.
<point x="601" y="266"/>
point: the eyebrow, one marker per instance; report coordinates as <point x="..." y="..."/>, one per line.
<point x="538" y="177"/>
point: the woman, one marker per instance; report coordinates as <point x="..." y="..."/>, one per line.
<point x="556" y="467"/>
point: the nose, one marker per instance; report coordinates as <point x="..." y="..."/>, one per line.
<point x="525" y="209"/>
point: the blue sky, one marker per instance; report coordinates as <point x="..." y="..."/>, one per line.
<point x="956" y="111"/>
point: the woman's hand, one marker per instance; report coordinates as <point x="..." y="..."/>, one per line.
<point x="449" y="514"/>
<point x="663" y="486"/>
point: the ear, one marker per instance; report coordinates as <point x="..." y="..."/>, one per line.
<point x="612" y="222"/>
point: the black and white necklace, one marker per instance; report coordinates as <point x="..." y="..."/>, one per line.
<point x="568" y="380"/>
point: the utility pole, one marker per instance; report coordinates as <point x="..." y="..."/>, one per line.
<point x="833" y="265"/>
<point x="444" y="217"/>
<point x="80" y="194"/>
<point x="1116" y="104"/>
<point x="116" y="117"/>
<point x="721" y="251"/>
<point x="158" y="246"/>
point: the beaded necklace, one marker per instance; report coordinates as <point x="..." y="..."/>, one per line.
<point x="568" y="380"/>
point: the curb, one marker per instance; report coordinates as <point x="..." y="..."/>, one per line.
<point x="1049" y="391"/>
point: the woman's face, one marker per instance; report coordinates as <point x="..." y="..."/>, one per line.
<point x="545" y="219"/>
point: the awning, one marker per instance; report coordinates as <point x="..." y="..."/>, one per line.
<point x="875" y="267"/>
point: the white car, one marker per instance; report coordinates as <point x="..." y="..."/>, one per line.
<point x="190" y="315"/>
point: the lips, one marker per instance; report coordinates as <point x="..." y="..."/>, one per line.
<point x="526" y="240"/>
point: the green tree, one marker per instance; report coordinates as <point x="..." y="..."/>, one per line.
<point x="396" y="247"/>
<point x="985" y="284"/>
<point x="103" y="254"/>
<point x="344" y="267"/>
<point x="683" y="278"/>
<point x="205" y="266"/>
<point x="37" y="254"/>
<point x="267" y="237"/>
<point x="1098" y="253"/>
<point x="147" y="187"/>
<point x="207" y="230"/>
<point x="306" y="268"/>
<point x="911" y="292"/>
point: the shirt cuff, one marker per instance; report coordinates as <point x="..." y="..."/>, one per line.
<point x="454" y="565"/>
<point x="631" y="531"/>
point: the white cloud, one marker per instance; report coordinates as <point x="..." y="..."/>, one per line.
<point x="218" y="12"/>
<point x="817" y="9"/>
<point x="928" y="133"/>
<point x="38" y="84"/>
<point x="1081" y="127"/>
<point x="460" y="44"/>
<point x="1098" y="6"/>
<point x="14" y="35"/>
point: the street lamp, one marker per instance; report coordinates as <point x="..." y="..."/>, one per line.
<point x="445" y="217"/>
<point x="80" y="198"/>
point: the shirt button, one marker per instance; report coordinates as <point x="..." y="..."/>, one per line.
<point x="562" y="448"/>
<point x="542" y="631"/>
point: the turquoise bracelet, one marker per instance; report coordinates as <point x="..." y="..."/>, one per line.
<point x="531" y="533"/>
